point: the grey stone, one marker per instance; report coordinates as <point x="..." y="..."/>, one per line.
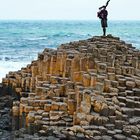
<point x="127" y="130"/>
<point x="110" y="126"/>
<point x="129" y="92"/>
<point x="136" y="92"/>
<point x="128" y="138"/>
<point x="111" y="111"/>
<point x="103" y="130"/>
<point x="122" y="89"/>
<point x="135" y="137"/>
<point x="122" y="105"/>
<point x="130" y="103"/>
<point x="104" y="112"/>
<point x="105" y="137"/>
<point x="137" y="112"/>
<point x="96" y="133"/>
<point x="119" y="124"/>
<point x="118" y="131"/>
<point x="135" y="130"/>
<point x="125" y="118"/>
<point x="111" y="133"/>
<point x="119" y="137"/>
<point x="52" y="138"/>
<point x="122" y="99"/>
<point x="128" y="111"/>
<point x="112" y="119"/>
<point x="1" y="133"/>
<point x="97" y="138"/>
<point x="91" y="127"/>
<point x="137" y="104"/>
<point x="35" y="139"/>
<point x="134" y="121"/>
<point x="80" y="135"/>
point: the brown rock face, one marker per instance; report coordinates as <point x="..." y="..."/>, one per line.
<point x="91" y="86"/>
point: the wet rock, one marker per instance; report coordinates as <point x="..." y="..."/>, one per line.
<point x="119" y="137"/>
<point x="97" y="138"/>
<point x="128" y="111"/>
<point x="134" y="121"/>
<point x="135" y="130"/>
<point x="77" y="129"/>
<point x="110" y="126"/>
<point x="103" y="130"/>
<point x="105" y="137"/>
<point x="118" y="131"/>
<point x="135" y="137"/>
<point x="131" y="130"/>
<point x="111" y="133"/>
<point x="130" y="84"/>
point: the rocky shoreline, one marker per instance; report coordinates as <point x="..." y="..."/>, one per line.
<point x="89" y="89"/>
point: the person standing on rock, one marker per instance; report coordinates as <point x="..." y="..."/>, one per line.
<point x="102" y="14"/>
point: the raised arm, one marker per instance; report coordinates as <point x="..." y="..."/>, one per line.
<point x="107" y="3"/>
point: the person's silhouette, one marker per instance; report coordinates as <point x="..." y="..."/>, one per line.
<point x="102" y="14"/>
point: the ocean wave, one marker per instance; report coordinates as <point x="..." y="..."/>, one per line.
<point x="19" y="58"/>
<point x="68" y="35"/>
<point x="5" y="67"/>
<point x="2" y="41"/>
<point x="37" y="38"/>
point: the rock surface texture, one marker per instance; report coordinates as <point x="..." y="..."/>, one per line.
<point x="85" y="89"/>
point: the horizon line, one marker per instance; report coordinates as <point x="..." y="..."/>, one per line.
<point x="67" y="19"/>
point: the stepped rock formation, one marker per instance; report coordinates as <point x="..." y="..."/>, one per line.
<point x="89" y="88"/>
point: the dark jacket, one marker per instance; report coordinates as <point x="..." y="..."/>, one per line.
<point x="103" y="14"/>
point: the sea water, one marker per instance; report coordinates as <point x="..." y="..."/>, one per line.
<point x="21" y="41"/>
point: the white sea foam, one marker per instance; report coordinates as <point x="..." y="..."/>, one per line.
<point x="6" y="66"/>
<point x="36" y="38"/>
